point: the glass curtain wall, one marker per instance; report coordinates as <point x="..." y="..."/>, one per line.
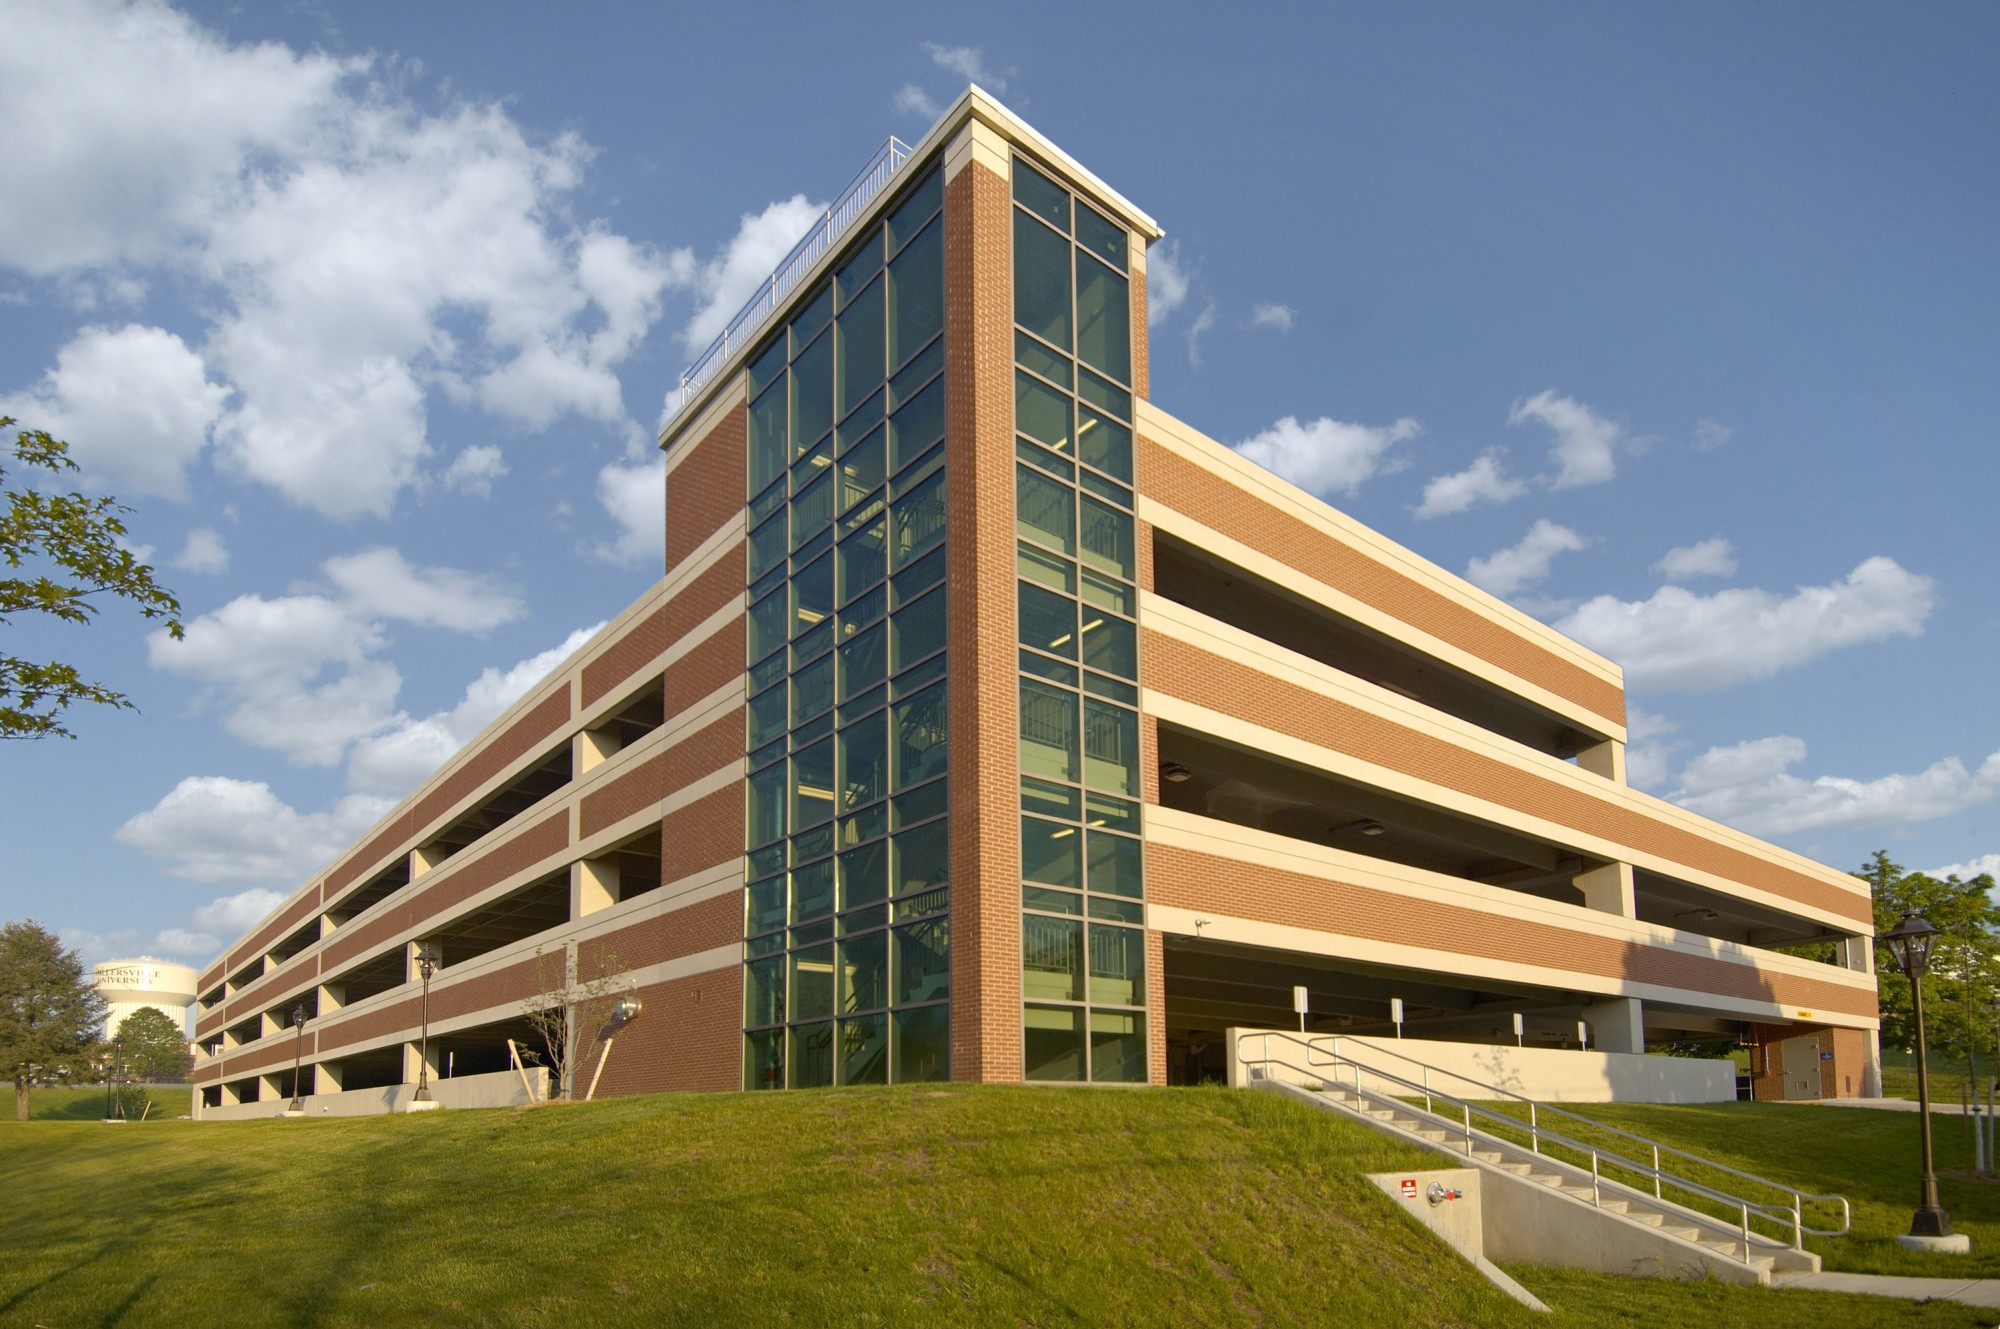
<point x="846" y="978"/>
<point x="1083" y="943"/>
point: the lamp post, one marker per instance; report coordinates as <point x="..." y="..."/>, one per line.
<point x="298" y="1052"/>
<point x="104" y="1064"/>
<point x="426" y="966"/>
<point x="117" y="1112"/>
<point x="1911" y="941"/>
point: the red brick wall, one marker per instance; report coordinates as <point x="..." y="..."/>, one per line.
<point x="705" y="488"/>
<point x="985" y="793"/>
<point x="649" y="637"/>
<point x="1212" y="500"/>
<point x="700" y="754"/>
<point x="688" y="1036"/>
<point x="718" y="660"/>
<point x="703" y="834"/>
<point x="1181" y="670"/>
<point x="657" y="938"/>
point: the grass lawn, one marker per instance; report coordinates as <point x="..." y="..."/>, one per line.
<point x="905" y="1206"/>
<point x="87" y="1103"/>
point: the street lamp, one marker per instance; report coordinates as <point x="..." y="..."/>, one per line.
<point x="426" y="966"/>
<point x="298" y="1052"/>
<point x="1911" y="941"/>
<point x="104" y="1065"/>
<point x="117" y="1112"/>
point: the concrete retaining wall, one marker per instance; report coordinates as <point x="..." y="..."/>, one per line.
<point x="498" y="1089"/>
<point x="1548" y="1075"/>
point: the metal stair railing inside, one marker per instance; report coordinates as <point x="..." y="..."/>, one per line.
<point x="1791" y="1216"/>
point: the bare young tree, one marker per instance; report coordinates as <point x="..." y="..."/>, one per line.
<point x="566" y="1010"/>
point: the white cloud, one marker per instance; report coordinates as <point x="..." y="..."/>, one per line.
<point x="1678" y="641"/>
<point x="1984" y="865"/>
<point x="1326" y="456"/>
<point x="355" y="250"/>
<point x="1643" y="724"/>
<point x="297" y="674"/>
<point x="968" y="63"/>
<point x="1485" y="481"/>
<point x="474" y="470"/>
<point x="1166" y="281"/>
<point x="636" y="497"/>
<point x="1196" y="330"/>
<point x="1585" y="449"/>
<point x="397" y="760"/>
<point x="916" y="101"/>
<point x="129" y="127"/>
<point x="220" y="831"/>
<point x="1519" y="566"/>
<point x="381" y="582"/>
<point x="134" y="404"/>
<point x="1272" y="316"/>
<point x="1708" y="435"/>
<point x="726" y="281"/>
<point x="204" y="552"/>
<point x="1714" y="557"/>
<point x="232" y="915"/>
<point x="1750" y="786"/>
<point x="1648" y="761"/>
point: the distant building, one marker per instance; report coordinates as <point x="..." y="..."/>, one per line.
<point x="989" y="723"/>
<point x="129" y="985"/>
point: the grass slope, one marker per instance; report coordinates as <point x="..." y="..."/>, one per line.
<point x="907" y="1206"/>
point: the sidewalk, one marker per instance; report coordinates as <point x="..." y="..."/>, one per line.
<point x="1895" y="1105"/>
<point x="1972" y="1291"/>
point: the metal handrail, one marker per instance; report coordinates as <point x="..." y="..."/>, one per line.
<point x="868" y="182"/>
<point x="1790" y="1215"/>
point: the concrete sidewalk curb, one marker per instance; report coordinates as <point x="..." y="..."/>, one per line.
<point x="1983" y="1292"/>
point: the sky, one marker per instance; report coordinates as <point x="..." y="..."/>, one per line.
<point x="1672" y="325"/>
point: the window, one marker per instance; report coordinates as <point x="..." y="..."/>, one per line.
<point x="845" y="955"/>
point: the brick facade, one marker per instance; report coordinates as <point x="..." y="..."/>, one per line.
<point x="985" y="789"/>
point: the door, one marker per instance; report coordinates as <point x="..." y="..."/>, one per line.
<point x="1800" y="1058"/>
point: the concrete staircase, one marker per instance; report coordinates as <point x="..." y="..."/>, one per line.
<point x="1542" y="1210"/>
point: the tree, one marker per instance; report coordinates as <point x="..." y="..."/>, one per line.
<point x="155" y="1046"/>
<point x="66" y="547"/>
<point x="1962" y="982"/>
<point x="568" y="1014"/>
<point x="50" y="1011"/>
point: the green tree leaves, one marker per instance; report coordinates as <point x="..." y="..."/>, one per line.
<point x="65" y="549"/>
<point x="49" y="1008"/>
<point x="155" y="1046"/>
<point x="1962" y="983"/>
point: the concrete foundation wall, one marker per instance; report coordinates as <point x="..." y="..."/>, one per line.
<point x="499" y="1089"/>
<point x="1548" y="1075"/>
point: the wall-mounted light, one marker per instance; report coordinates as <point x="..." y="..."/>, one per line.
<point x="627" y="1009"/>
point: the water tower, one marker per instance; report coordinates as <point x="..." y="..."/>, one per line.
<point x="127" y="985"/>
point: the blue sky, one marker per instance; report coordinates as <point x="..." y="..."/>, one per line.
<point x="1673" y="325"/>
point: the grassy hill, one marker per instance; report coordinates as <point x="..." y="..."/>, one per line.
<point x="906" y="1206"/>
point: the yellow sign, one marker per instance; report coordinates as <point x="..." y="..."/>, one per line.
<point x="1803" y="1015"/>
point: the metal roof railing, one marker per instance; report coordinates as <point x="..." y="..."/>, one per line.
<point x="871" y="180"/>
